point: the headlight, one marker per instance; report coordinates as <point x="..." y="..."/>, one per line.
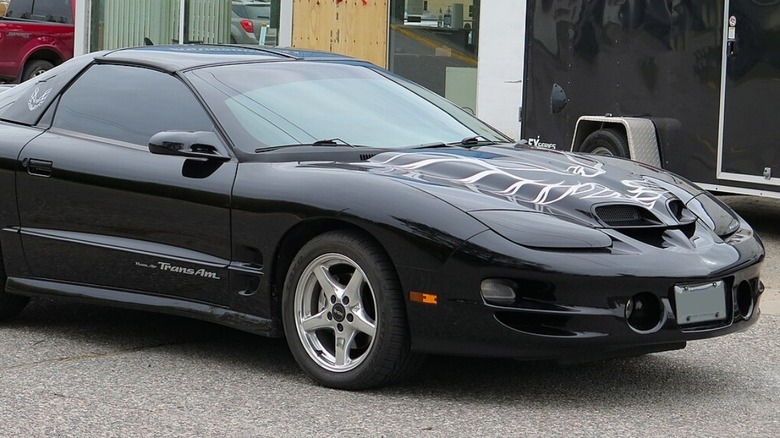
<point x="717" y="215"/>
<point x="540" y="230"/>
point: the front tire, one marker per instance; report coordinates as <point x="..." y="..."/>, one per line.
<point x="344" y="315"/>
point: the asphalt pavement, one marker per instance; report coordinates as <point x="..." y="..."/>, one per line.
<point x="69" y="369"/>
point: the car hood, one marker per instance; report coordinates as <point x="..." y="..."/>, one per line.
<point x="585" y="189"/>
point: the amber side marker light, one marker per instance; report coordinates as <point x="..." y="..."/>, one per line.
<point x="420" y="297"/>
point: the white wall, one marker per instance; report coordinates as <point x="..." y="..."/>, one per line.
<point x="80" y="20"/>
<point x="500" y="73"/>
<point x="285" y="23"/>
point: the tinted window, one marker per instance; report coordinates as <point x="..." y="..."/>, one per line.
<point x="129" y="104"/>
<point x="56" y="11"/>
<point x="25" y="103"/>
<point x="20" y="9"/>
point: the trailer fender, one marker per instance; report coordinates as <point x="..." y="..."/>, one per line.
<point x="639" y="135"/>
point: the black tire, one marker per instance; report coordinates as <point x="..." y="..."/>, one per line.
<point x="10" y="305"/>
<point x="35" y="67"/>
<point x="372" y="356"/>
<point x="606" y="142"/>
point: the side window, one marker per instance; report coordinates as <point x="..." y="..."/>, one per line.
<point x="129" y="104"/>
<point x="56" y="11"/>
<point x="20" y="9"/>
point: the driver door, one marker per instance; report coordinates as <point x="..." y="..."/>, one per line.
<point x="97" y="209"/>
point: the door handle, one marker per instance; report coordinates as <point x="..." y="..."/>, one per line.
<point x="38" y="167"/>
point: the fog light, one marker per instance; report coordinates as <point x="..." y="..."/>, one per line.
<point x="745" y="299"/>
<point x="499" y="292"/>
<point x="644" y="312"/>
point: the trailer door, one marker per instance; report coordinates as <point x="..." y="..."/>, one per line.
<point x="749" y="137"/>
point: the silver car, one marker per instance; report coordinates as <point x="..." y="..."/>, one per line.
<point x="259" y="12"/>
<point x="242" y="30"/>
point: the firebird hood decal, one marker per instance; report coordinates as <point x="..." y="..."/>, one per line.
<point x="554" y="182"/>
<point x="575" y="176"/>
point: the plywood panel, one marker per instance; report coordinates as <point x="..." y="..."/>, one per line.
<point x="351" y="27"/>
<point x="363" y="26"/>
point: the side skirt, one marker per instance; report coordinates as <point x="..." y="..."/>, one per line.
<point x="130" y="300"/>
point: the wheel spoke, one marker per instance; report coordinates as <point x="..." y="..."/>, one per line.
<point x="315" y="322"/>
<point x="363" y="323"/>
<point x="355" y="285"/>
<point x="328" y="284"/>
<point x="343" y="345"/>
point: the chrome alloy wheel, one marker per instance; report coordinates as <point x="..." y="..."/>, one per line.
<point x="335" y="312"/>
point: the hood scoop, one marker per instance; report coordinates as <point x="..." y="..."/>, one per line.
<point x="626" y="216"/>
<point x="636" y="216"/>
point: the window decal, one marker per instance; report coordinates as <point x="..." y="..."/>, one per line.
<point x="35" y="101"/>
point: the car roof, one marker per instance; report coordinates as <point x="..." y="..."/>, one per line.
<point x="188" y="56"/>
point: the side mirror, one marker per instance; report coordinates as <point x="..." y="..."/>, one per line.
<point x="198" y="144"/>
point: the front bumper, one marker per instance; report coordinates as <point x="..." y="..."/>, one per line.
<point x="571" y="306"/>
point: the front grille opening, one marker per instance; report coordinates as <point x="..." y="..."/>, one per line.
<point x="688" y="229"/>
<point x="663" y="237"/>
<point x="649" y="236"/>
<point x="546" y="325"/>
<point x="623" y="215"/>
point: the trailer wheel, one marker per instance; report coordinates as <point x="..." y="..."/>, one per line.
<point x="606" y="142"/>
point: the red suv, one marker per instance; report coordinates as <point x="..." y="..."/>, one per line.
<point x="35" y="35"/>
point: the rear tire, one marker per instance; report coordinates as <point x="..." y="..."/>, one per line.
<point x="606" y="142"/>
<point x="36" y="67"/>
<point x="344" y="315"/>
<point x="10" y="305"/>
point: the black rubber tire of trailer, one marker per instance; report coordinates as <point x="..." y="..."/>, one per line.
<point x="607" y="141"/>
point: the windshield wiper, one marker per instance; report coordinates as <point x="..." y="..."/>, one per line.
<point x="476" y="140"/>
<point x="324" y="142"/>
<point x="434" y="145"/>
<point x="331" y="142"/>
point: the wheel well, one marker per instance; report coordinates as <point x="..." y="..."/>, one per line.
<point x="292" y="243"/>
<point x="45" y="55"/>
<point x="588" y="127"/>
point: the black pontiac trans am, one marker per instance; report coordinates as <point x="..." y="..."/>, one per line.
<point x="364" y="218"/>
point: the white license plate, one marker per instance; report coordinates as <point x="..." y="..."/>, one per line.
<point x="700" y="302"/>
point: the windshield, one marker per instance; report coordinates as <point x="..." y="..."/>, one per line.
<point x="268" y="105"/>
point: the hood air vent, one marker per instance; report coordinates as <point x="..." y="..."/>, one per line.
<point x="623" y="215"/>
